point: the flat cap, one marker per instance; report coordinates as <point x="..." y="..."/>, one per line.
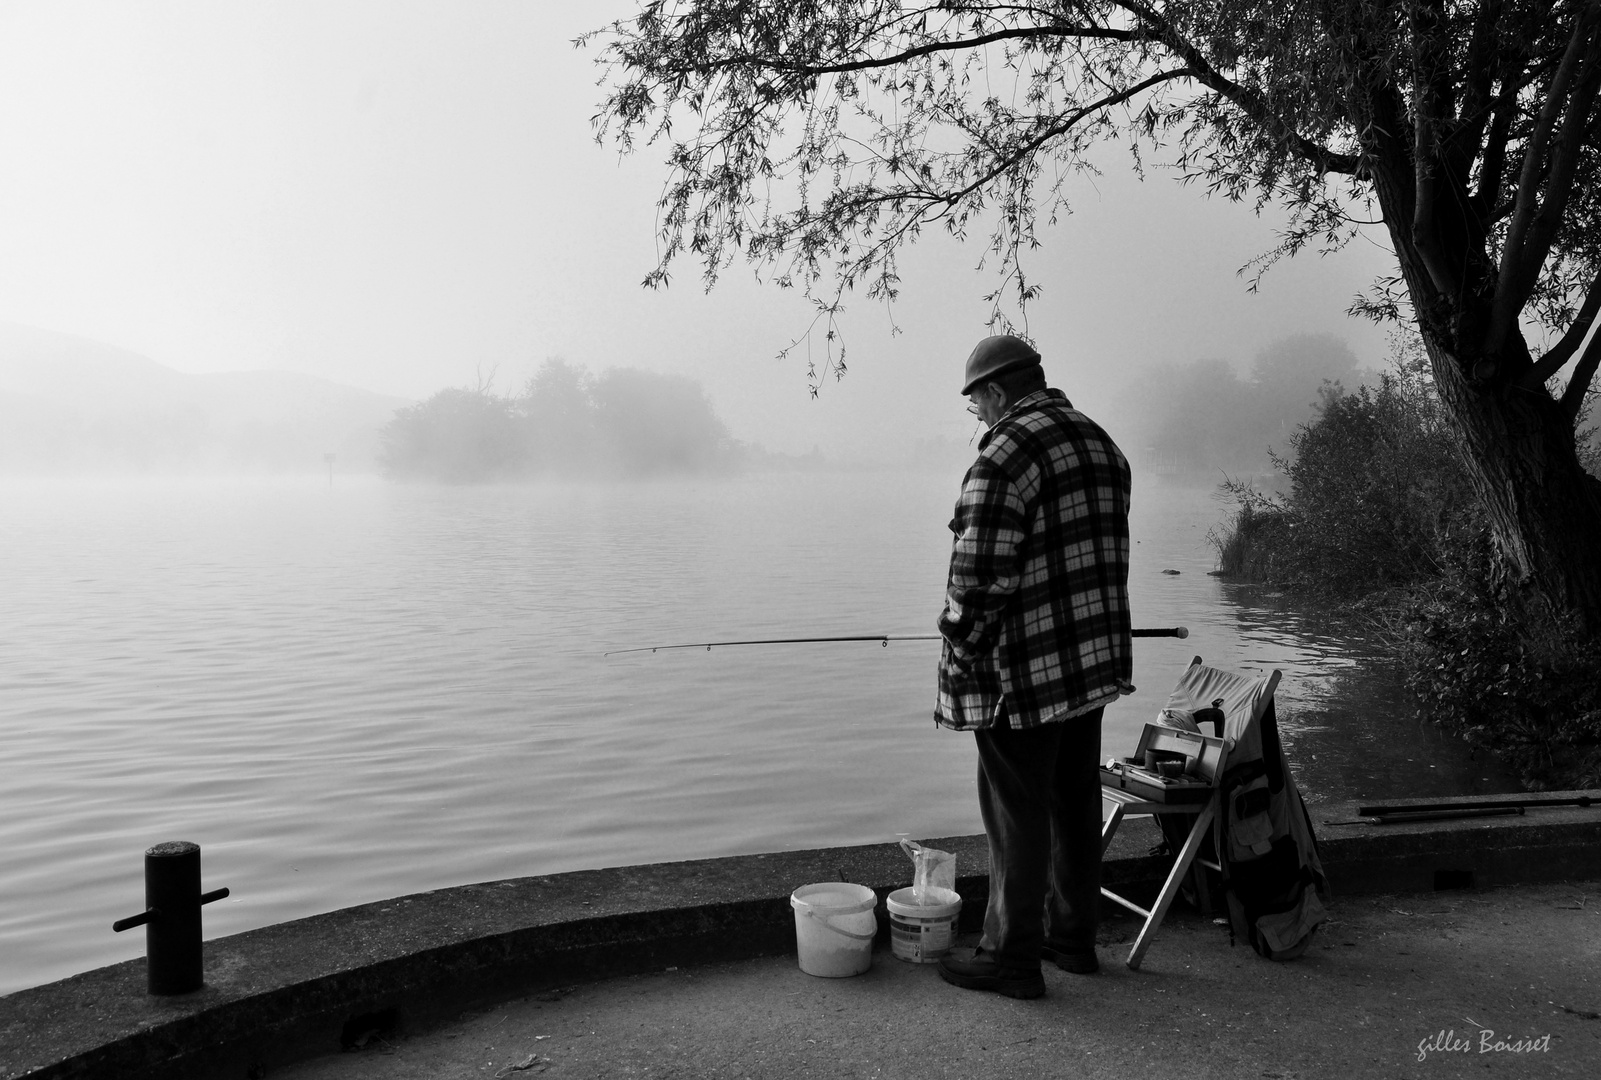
<point x="995" y="355"/>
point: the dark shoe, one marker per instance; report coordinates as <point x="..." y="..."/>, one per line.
<point x="1079" y="962"/>
<point x="984" y="972"/>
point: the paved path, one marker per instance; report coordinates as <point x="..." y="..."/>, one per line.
<point x="1384" y="976"/>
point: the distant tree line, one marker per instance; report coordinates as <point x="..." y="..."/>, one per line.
<point x="563" y="422"/>
<point x="1203" y="419"/>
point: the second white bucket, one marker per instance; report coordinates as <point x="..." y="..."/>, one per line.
<point x="834" y="928"/>
<point x="922" y="933"/>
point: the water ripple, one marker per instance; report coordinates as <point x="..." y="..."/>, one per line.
<point x="350" y="693"/>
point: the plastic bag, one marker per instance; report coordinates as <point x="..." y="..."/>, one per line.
<point x="932" y="869"/>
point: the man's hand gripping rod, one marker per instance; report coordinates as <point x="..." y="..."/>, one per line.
<point x="882" y="639"/>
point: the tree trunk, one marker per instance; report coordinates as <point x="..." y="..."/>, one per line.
<point x="1517" y="445"/>
<point x="1544" y="509"/>
<point x="1519" y="451"/>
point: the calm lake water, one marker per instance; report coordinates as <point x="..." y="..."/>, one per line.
<point x="349" y="692"/>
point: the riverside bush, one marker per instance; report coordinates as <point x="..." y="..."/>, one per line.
<point x="1380" y="517"/>
<point x="1528" y="689"/>
<point x="1257" y="543"/>
<point x="1376" y="497"/>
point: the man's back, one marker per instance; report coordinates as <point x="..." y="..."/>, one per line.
<point x="1037" y="599"/>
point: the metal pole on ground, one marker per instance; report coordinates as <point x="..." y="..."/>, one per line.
<point x="171" y="917"/>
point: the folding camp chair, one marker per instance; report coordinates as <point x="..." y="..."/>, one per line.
<point x="1134" y="791"/>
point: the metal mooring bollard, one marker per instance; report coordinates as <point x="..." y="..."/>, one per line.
<point x="171" y="917"/>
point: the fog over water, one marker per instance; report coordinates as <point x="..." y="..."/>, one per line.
<point x="404" y="196"/>
<point x="353" y="691"/>
<point x="70" y="406"/>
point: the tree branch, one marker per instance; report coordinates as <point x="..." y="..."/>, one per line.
<point x="1560" y="353"/>
<point x="1018" y="153"/>
<point x="1478" y="80"/>
<point x="1558" y="184"/>
<point x="1493" y="166"/>
<point x="1248" y="102"/>
<point x="1562" y="100"/>
<point x="1573" y="397"/>
<point x="1428" y="110"/>
<point x="769" y="63"/>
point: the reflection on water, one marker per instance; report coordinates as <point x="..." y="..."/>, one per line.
<point x="353" y="692"/>
<point x="1348" y="724"/>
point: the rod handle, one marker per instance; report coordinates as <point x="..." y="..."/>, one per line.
<point x="214" y="894"/>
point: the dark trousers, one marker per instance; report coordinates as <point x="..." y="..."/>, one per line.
<point x="1039" y="790"/>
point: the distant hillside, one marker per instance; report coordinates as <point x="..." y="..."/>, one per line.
<point x="68" y="404"/>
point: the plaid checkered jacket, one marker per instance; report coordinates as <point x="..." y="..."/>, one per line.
<point x="1036" y="612"/>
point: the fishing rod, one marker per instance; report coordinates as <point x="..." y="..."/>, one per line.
<point x="882" y="639"/>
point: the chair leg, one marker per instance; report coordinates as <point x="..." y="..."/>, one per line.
<point x="1170" y="888"/>
<point x="1109" y="826"/>
<point x="1203" y="895"/>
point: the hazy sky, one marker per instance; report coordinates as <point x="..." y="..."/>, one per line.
<point x="399" y="195"/>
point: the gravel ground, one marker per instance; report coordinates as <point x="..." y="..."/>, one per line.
<point x="1503" y="983"/>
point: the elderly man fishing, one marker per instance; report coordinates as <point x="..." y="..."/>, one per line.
<point x="1036" y="643"/>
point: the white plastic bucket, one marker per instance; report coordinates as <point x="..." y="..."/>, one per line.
<point x="834" y="928"/>
<point x="922" y="933"/>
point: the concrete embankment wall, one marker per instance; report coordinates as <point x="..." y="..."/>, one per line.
<point x="297" y="989"/>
